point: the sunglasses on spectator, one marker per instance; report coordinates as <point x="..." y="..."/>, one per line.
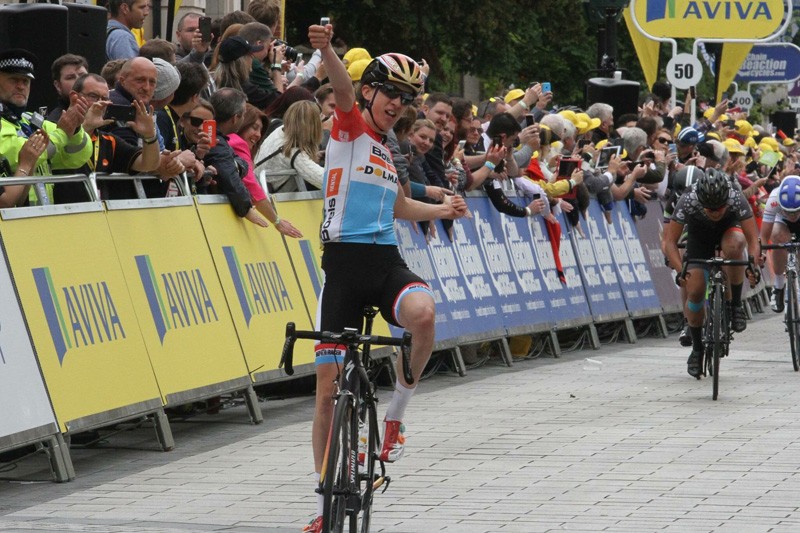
<point x="195" y="121"/>
<point x="664" y="140"/>
<point x="479" y="130"/>
<point x="392" y="92"/>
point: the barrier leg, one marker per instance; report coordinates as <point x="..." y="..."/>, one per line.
<point x="630" y="331"/>
<point x="594" y="338"/>
<point x="555" y="346"/>
<point x="253" y="409"/>
<point x="58" y="464"/>
<point x="458" y="361"/>
<point x="163" y="431"/>
<point x="755" y="301"/>
<point x="748" y="311"/>
<point x="505" y="351"/>
<point x="661" y="324"/>
<point x="764" y="297"/>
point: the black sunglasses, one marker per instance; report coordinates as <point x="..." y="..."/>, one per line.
<point x="664" y="140"/>
<point x="195" y="121"/>
<point x="392" y="92"/>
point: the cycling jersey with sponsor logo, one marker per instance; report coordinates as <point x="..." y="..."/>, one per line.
<point x="360" y="184"/>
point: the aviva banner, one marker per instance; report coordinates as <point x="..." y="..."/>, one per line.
<point x="80" y="314"/>
<point x="182" y="311"/>
<point x="710" y="19"/>
<point x="260" y="284"/>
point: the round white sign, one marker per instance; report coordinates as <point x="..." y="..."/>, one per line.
<point x="742" y="99"/>
<point x="684" y="71"/>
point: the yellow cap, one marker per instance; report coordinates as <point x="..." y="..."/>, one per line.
<point x="591" y="123"/>
<point x="579" y="124"/>
<point x="744" y="128"/>
<point x="713" y="135"/>
<point x="356" y="68"/>
<point x="733" y="146"/>
<point x="513" y="94"/>
<point x="354" y="54"/>
<point x="710" y="111"/>
<point x="750" y="143"/>
<point x="772" y="142"/>
<point x="788" y="141"/>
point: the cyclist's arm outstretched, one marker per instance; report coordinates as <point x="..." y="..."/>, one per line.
<point x="409" y="209"/>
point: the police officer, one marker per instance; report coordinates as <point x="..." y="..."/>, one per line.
<point x="68" y="146"/>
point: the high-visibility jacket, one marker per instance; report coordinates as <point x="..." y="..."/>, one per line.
<point x="63" y="151"/>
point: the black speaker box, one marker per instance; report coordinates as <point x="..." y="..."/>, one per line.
<point x="622" y="95"/>
<point x="43" y="30"/>
<point x="784" y="120"/>
<point x="87" y="34"/>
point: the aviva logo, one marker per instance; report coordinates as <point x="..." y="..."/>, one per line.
<point x="77" y="315"/>
<point x="180" y="300"/>
<point x="259" y="286"/>
<point x="731" y="10"/>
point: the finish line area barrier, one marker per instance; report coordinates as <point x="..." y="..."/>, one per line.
<point x="115" y="311"/>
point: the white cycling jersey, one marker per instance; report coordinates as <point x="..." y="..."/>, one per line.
<point x="360" y="184"/>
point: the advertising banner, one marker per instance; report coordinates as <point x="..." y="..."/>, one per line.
<point x="81" y="317"/>
<point x="770" y="63"/>
<point x="709" y="19"/>
<point x="473" y="309"/>
<point x="590" y="242"/>
<point x="26" y="407"/>
<point x="260" y="284"/>
<point x="183" y="315"/>
<point x="578" y="311"/>
<point x="634" y="274"/>
<point x="650" y="229"/>
<point x="507" y="250"/>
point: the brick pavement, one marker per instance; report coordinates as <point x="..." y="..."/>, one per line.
<point x="633" y="444"/>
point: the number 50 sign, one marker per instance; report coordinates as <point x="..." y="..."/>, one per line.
<point x="684" y="71"/>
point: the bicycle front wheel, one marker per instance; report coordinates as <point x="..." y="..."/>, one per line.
<point x="340" y="460"/>
<point x="792" y="318"/>
<point x="369" y="479"/>
<point x="719" y="320"/>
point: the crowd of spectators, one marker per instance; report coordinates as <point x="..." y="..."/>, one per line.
<point x="272" y="112"/>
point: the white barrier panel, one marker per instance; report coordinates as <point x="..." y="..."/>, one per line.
<point x="26" y="414"/>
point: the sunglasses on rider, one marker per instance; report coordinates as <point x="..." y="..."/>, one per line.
<point x="715" y="209"/>
<point x="392" y="92"/>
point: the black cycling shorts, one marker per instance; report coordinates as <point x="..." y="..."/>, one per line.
<point x="702" y="243"/>
<point x="358" y="275"/>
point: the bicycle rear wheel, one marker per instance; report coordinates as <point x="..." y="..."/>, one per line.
<point x="792" y="318"/>
<point x="338" y="472"/>
<point x="719" y="319"/>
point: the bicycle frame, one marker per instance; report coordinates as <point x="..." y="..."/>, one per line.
<point x="792" y="311"/>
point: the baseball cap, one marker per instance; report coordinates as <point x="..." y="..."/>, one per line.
<point x="733" y="146"/>
<point x="235" y="47"/>
<point x="355" y="54"/>
<point x="743" y="128"/>
<point x="690" y="136"/>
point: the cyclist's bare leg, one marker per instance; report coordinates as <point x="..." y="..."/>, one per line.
<point x="694" y="309"/>
<point x="323" y="412"/>
<point x="780" y="235"/>
<point x="733" y="246"/>
<point x="417" y="315"/>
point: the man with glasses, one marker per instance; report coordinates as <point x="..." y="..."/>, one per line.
<point x="714" y="213"/>
<point x="110" y="153"/>
<point x="361" y="260"/>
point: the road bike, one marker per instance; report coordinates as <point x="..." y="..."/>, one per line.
<point x="352" y="470"/>
<point x="716" y="328"/>
<point x="791" y="313"/>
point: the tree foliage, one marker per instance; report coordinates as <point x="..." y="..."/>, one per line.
<point x="503" y="43"/>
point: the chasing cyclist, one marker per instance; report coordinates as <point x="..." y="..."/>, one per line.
<point x="780" y="224"/>
<point x="715" y="213"/>
<point x="360" y="258"/>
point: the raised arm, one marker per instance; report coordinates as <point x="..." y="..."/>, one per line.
<point x="320" y="38"/>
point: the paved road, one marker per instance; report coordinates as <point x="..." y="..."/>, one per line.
<point x="631" y="444"/>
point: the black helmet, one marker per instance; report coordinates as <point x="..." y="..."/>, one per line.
<point x="685" y="178"/>
<point x="713" y="189"/>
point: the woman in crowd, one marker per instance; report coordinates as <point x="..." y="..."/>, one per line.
<point x="294" y="146"/>
<point x="244" y="143"/>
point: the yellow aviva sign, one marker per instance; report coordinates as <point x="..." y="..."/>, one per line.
<point x="710" y="19"/>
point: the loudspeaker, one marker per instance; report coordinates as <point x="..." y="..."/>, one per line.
<point x="41" y="29"/>
<point x="784" y="120"/>
<point x="87" y="34"/>
<point x="622" y="95"/>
